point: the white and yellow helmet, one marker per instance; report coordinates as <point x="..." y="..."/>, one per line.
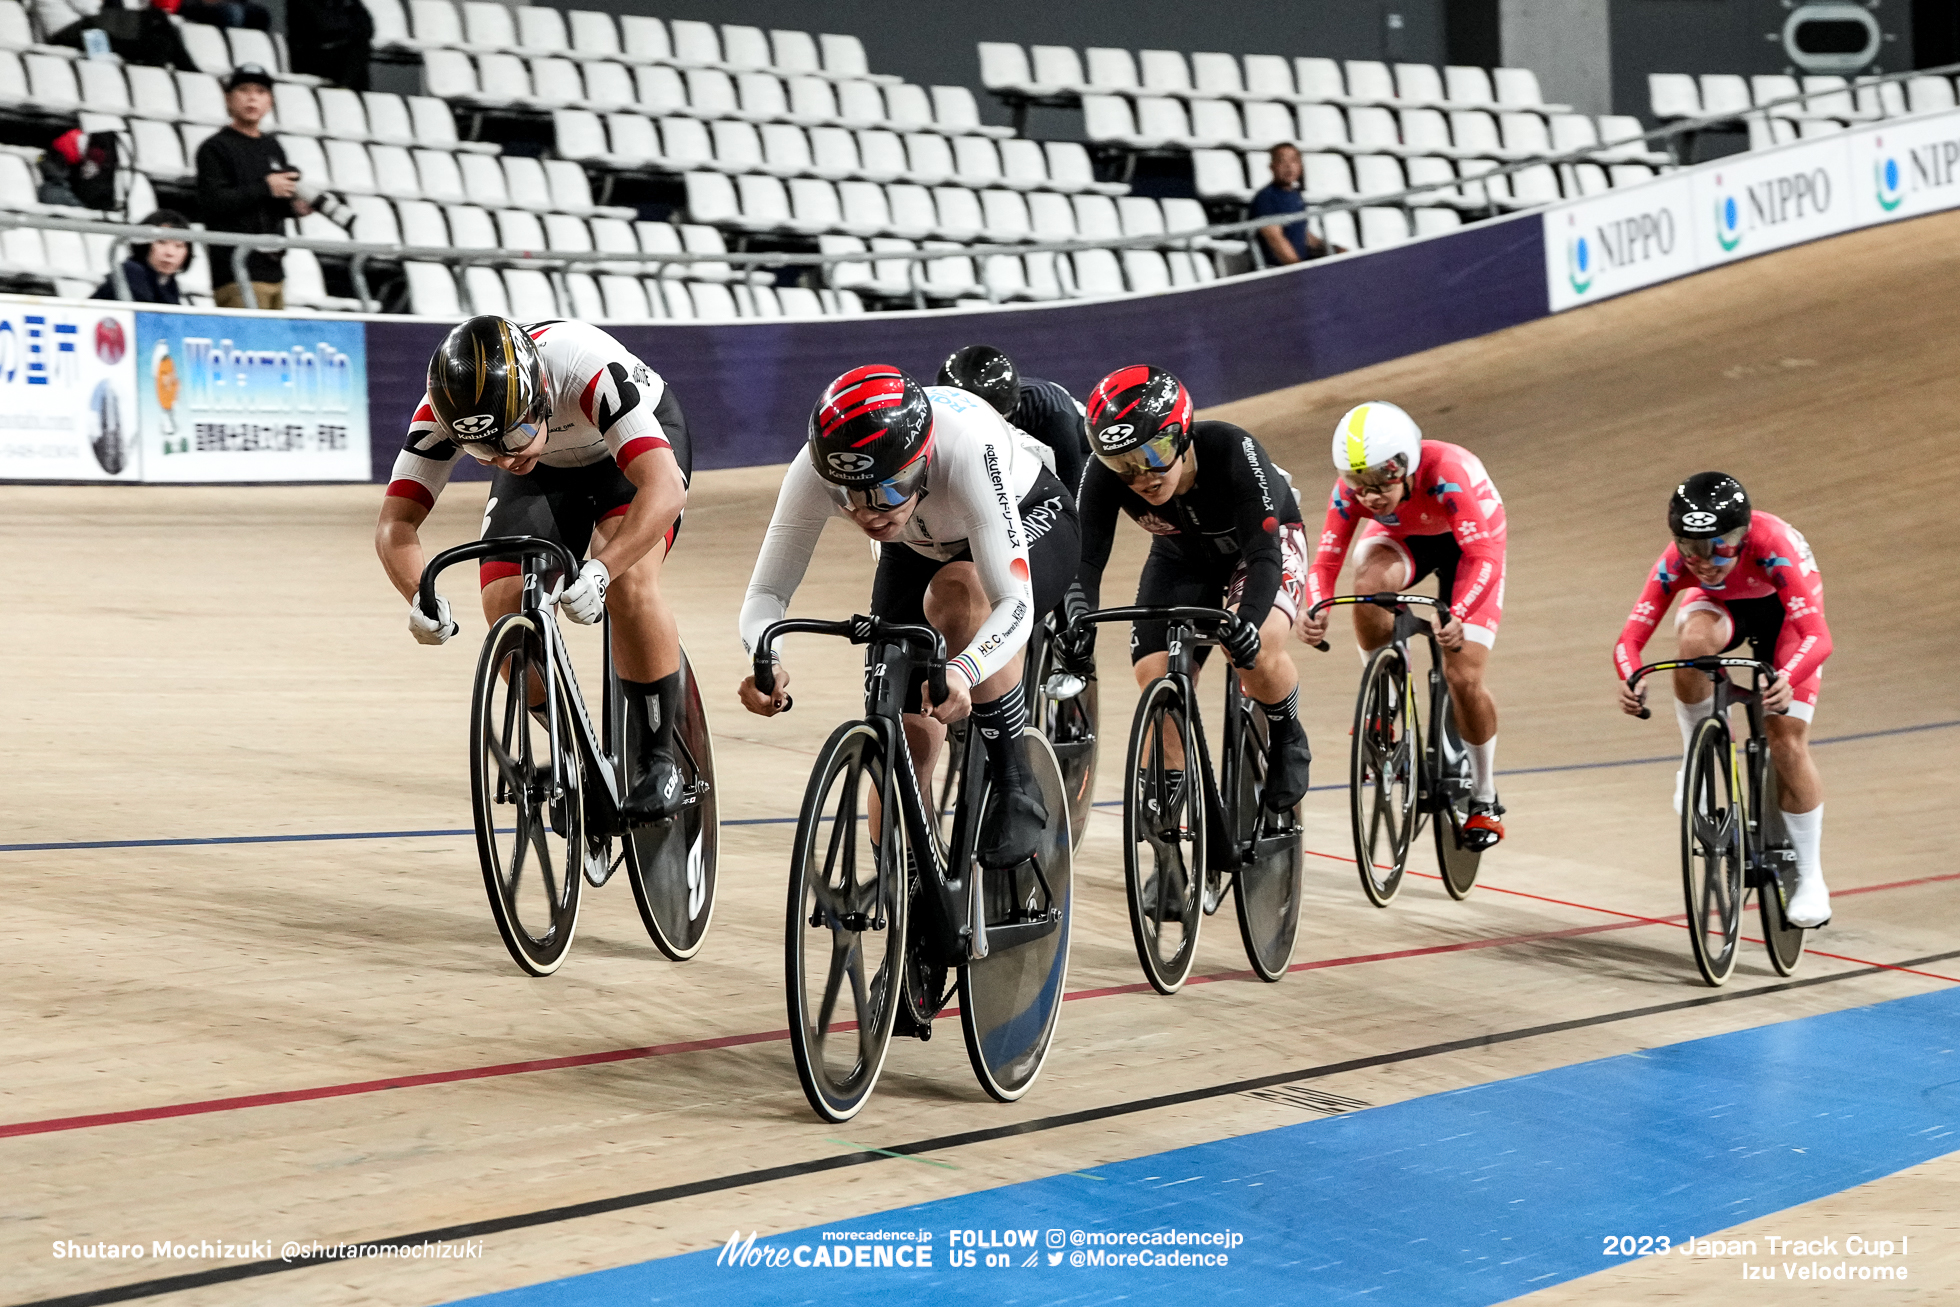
<point x="1376" y="443"/>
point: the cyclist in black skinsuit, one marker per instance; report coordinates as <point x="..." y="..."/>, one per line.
<point x="1228" y="534"/>
<point x="1043" y="409"/>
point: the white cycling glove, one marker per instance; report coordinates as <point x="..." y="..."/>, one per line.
<point x="427" y="631"/>
<point x="584" y="600"/>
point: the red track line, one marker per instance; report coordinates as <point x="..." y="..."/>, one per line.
<point x="210" y="1105"/>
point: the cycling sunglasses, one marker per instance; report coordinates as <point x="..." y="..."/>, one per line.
<point x="513" y="441"/>
<point x="1722" y="548"/>
<point x="884" y="496"/>
<point x="1152" y="458"/>
<point x="1376" y="480"/>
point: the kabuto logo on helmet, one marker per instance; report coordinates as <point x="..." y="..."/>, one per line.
<point x="1115" y="435"/>
<point x="1698" y="521"/>
<point x="473" y="424"/>
<point x="851" y="464"/>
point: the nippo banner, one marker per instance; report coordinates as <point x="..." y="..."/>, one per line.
<point x="67" y="392"/>
<point x="1746" y="204"/>
<point x="252" y="397"/>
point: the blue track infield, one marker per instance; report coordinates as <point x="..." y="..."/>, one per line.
<point x="1470" y="1197"/>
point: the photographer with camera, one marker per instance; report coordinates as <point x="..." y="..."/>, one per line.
<point x="246" y="185"/>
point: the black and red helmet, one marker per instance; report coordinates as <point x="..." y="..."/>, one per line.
<point x="1139" y="421"/>
<point x="871" y="437"/>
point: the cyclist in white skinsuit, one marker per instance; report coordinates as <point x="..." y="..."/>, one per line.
<point x="977" y="537"/>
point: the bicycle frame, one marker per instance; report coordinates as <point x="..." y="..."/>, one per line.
<point x="955" y="909"/>
<point x="1432" y="775"/>
<point x="602" y="749"/>
<point x="1750" y="775"/>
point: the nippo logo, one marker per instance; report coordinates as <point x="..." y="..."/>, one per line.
<point x="849" y="463"/>
<point x="1115" y="434"/>
<point x="110" y="344"/>
<point x="1579" y="267"/>
<point x="1889" y="183"/>
<point x="473" y="424"/>
<point x="1698" y="521"/>
<point x="1728" y="220"/>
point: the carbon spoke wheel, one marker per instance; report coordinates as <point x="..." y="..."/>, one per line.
<point x="1267" y="891"/>
<point x="1011" y="999"/>
<point x="1164" y="837"/>
<point x="528" y="799"/>
<point x="1382" y="777"/>
<point x="845" y="939"/>
<point x="1070" y="725"/>
<point x="1450" y="776"/>
<point x="672" y="863"/>
<point x="1711" y="851"/>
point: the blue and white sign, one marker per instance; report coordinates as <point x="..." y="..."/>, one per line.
<point x="252" y="398"/>
<point x="1619" y="241"/>
<point x="67" y="392"/>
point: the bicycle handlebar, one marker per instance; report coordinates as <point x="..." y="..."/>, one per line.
<point x="1215" y="617"/>
<point x="858" y="630"/>
<point x="1384" y="599"/>
<point x="425" y="597"/>
<point x="1711" y="664"/>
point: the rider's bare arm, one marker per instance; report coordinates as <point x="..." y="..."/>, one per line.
<point x="398" y="542"/>
<point x="662" y="494"/>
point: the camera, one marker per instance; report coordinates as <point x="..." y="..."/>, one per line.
<point x="325" y="203"/>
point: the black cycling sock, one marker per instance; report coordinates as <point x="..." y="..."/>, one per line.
<point x="1278" y="715"/>
<point x="656" y="704"/>
<point x="1000" y="724"/>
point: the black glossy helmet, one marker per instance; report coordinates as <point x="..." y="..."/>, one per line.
<point x="1709" y="515"/>
<point x="1139" y="421"/>
<point x="984" y="371"/>
<point x="487" y="386"/>
<point x="871" y="437"/>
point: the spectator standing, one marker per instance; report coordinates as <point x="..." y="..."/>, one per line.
<point x="246" y="185"/>
<point x="1290" y="242"/>
<point x="331" y="39"/>
<point x="152" y="269"/>
<point x="139" y="33"/>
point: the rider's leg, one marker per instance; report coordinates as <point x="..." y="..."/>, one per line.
<point x="1377" y="567"/>
<point x="1800" y="793"/>
<point x="1273" y="682"/>
<point x="1703" y="628"/>
<point x="1475" y="710"/>
<point x="647" y="657"/>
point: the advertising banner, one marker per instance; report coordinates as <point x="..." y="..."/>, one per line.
<point x="67" y="392"/>
<point x="252" y="398"/>
<point x="1747" y="204"/>
<point x="1620" y="241"/>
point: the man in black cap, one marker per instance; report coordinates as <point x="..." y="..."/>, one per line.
<point x="246" y="185"/>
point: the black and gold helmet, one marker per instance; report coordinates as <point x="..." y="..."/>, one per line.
<point x="487" y="385"/>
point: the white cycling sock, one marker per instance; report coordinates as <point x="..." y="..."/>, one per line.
<point x="1483" y="770"/>
<point x="1689" y="715"/>
<point x="1807" y="834"/>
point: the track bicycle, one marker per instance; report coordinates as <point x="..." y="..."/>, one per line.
<point x="1732" y="836"/>
<point x="1182" y="839"/>
<point x="882" y="907"/>
<point x="546" y="788"/>
<point x="1394" y="785"/>
<point x="1063" y="706"/>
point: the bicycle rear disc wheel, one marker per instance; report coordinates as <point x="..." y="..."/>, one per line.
<point x="1382" y="777"/>
<point x="1070" y="725"/>
<point x="1711" y="851"/>
<point x="1268" y="882"/>
<point x="1163" y="839"/>
<point x="1011" y="999"/>
<point x="845" y="939"/>
<point x="1452" y="785"/>
<point x="1784" y="938"/>
<point x="672" y="863"/>
<point x="527" y="791"/>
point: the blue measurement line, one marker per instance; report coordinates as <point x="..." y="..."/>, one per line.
<point x="64" y="845"/>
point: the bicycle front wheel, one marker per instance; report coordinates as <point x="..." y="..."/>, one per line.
<point x="672" y="863"/>
<point x="1711" y="850"/>
<point x="845" y="942"/>
<point x="527" y="790"/>
<point x="1268" y="877"/>
<point x="1011" y="999"/>
<point x="1382" y="776"/>
<point x="1164" y="836"/>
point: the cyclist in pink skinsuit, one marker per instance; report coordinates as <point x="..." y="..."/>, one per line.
<point x="1430" y="509"/>
<point x="1744" y="575"/>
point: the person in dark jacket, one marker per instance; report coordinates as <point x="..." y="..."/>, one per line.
<point x="246" y="185"/>
<point x="332" y="39"/>
<point x="152" y="269"/>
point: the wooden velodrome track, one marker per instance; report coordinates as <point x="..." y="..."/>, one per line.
<point x="202" y="662"/>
